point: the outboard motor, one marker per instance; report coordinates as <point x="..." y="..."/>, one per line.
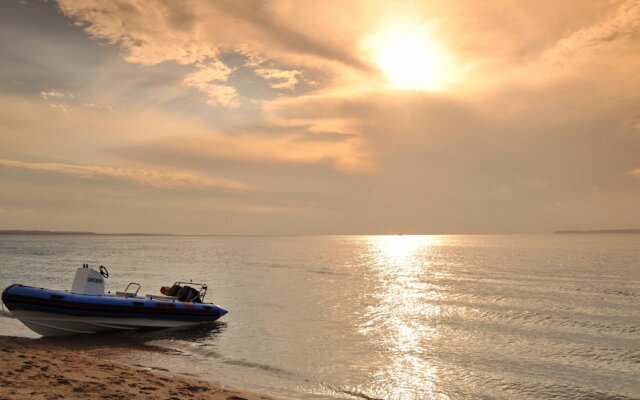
<point x="89" y="281"/>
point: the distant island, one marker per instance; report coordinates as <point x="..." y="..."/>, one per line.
<point x="635" y="231"/>
<point x="23" y="232"/>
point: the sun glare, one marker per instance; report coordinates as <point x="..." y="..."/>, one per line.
<point x="411" y="59"/>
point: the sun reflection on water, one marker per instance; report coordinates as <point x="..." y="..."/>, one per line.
<point x="402" y="321"/>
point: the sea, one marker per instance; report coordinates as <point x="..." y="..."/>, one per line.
<point x="372" y="317"/>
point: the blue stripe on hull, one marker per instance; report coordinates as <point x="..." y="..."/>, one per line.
<point x="130" y="314"/>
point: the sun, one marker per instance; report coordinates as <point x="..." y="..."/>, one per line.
<point x="411" y="59"/>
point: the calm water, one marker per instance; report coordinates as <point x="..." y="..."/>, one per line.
<point x="385" y="317"/>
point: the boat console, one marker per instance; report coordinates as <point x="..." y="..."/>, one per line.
<point x="89" y="281"/>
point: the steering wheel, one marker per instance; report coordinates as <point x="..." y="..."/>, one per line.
<point x="104" y="272"/>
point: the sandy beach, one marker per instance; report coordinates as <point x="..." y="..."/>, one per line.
<point x="30" y="369"/>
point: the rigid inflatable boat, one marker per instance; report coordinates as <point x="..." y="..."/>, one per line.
<point x="87" y="309"/>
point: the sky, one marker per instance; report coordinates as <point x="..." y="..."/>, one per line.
<point x="319" y="117"/>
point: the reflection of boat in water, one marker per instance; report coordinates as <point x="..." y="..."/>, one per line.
<point x="87" y="309"/>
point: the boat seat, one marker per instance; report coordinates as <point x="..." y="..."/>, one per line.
<point x="127" y="293"/>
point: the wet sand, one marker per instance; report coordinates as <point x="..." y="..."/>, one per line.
<point x="29" y="369"/>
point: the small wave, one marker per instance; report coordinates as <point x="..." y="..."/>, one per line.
<point x="278" y="266"/>
<point x="186" y="347"/>
<point x="555" y="391"/>
<point x="351" y="392"/>
<point x="607" y="355"/>
<point x="540" y="319"/>
<point x="264" y="367"/>
<point x="198" y="349"/>
<point x="498" y="299"/>
<point x="614" y="292"/>
<point x="326" y="272"/>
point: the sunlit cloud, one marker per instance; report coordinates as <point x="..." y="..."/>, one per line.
<point x="623" y="23"/>
<point x="303" y="147"/>
<point x="54" y="94"/>
<point x="319" y="112"/>
<point x="208" y="79"/>
<point x="62" y="107"/>
<point x="279" y="79"/>
<point x="149" y="32"/>
<point x="67" y="102"/>
<point x="150" y="177"/>
<point x="194" y="33"/>
<point x="99" y="107"/>
<point x="58" y="100"/>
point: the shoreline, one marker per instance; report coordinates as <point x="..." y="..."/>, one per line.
<point x="30" y="369"/>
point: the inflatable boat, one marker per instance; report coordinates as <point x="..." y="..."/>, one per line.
<point x="87" y="309"/>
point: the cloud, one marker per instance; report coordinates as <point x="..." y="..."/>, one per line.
<point x="155" y="32"/>
<point x="150" y="32"/>
<point x="58" y="100"/>
<point x="290" y="36"/>
<point x="279" y="79"/>
<point x="150" y="177"/>
<point x="288" y="42"/>
<point x="621" y="24"/>
<point x="135" y="133"/>
<point x="207" y="79"/>
<point x="99" y="107"/>
<point x="327" y="111"/>
<point x="296" y="30"/>
<point x="519" y="142"/>
<point x="299" y="147"/>
<point x="62" y="107"/>
<point x="67" y="102"/>
<point x="53" y="94"/>
<point x="510" y="156"/>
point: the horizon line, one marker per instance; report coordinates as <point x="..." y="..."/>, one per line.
<point x="36" y="232"/>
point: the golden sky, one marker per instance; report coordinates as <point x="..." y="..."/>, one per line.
<point x="319" y="117"/>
